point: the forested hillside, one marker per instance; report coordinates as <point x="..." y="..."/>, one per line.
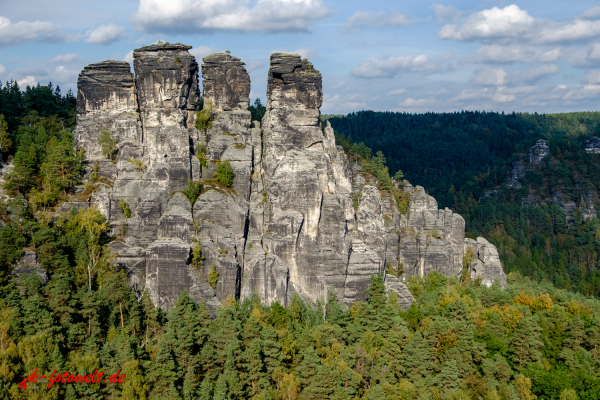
<point x="464" y="159"/>
<point x="459" y="340"/>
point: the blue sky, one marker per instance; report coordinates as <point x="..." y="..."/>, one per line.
<point x="380" y="55"/>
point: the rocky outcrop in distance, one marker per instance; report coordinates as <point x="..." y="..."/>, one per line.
<point x="537" y="153"/>
<point x="592" y="145"/>
<point x="297" y="219"/>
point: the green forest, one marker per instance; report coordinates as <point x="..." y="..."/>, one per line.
<point x="460" y="157"/>
<point x="459" y="340"/>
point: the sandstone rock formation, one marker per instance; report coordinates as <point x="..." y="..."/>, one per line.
<point x="298" y="219"/>
<point x="538" y="151"/>
<point x="486" y="266"/>
<point x="592" y="145"/>
<point x="28" y="264"/>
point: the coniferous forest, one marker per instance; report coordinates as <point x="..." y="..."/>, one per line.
<point x="538" y="339"/>
<point x="464" y="159"/>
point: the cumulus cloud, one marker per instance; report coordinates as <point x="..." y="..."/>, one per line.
<point x="511" y="24"/>
<point x="66" y="58"/>
<point x="587" y="58"/>
<point x="393" y="66"/>
<point x="592" y="77"/>
<point x="105" y="34"/>
<point x="342" y="103"/>
<point x="592" y="13"/>
<point x="202" y="51"/>
<point x="2" y="69"/>
<point x="518" y="53"/>
<point x="586" y="92"/>
<point x="27" y="81"/>
<point x="22" y="31"/>
<point x="238" y="15"/>
<point x="129" y="57"/>
<point x="492" y="76"/>
<point x="535" y="74"/>
<point x="415" y="103"/>
<point x="500" y="77"/>
<point x="364" y="19"/>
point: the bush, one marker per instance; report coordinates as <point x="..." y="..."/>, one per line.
<point x="200" y="149"/>
<point x="125" y="208"/>
<point x="108" y="143"/>
<point x="213" y="277"/>
<point x="139" y="164"/>
<point x="204" y="118"/>
<point x="224" y="174"/>
<point x="197" y="257"/>
<point x="192" y="190"/>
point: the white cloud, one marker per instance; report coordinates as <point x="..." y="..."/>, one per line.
<point x="511" y="24"/>
<point x="587" y="92"/>
<point x="518" y="53"/>
<point x="510" y="21"/>
<point x="253" y="65"/>
<point x="105" y="34"/>
<point x="66" y="58"/>
<point x="27" y="81"/>
<point x="2" y="69"/>
<point x="129" y="57"/>
<point x="396" y="92"/>
<point x="393" y="66"/>
<point x="534" y="74"/>
<point x="207" y="15"/>
<point x="587" y="58"/>
<point x="202" y="51"/>
<point x="492" y="76"/>
<point x="11" y="34"/>
<point x="592" y="77"/>
<point x="363" y="19"/>
<point x="414" y="103"/>
<point x="339" y="103"/>
<point x="592" y="13"/>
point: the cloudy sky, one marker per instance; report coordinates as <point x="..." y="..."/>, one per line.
<point x="381" y="55"/>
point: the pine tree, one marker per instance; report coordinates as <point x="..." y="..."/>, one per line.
<point x="525" y="346"/>
<point x="377" y="293"/>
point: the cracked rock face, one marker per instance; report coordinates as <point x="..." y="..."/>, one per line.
<point x="487" y="265"/>
<point x="538" y="152"/>
<point x="298" y="219"/>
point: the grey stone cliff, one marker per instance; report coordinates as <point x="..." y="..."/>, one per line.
<point x="486" y="266"/>
<point x="592" y="145"/>
<point x="298" y="219"/>
<point x="538" y="151"/>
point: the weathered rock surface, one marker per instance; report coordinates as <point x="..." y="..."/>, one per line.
<point x="518" y="171"/>
<point x="28" y="264"/>
<point x="538" y="152"/>
<point x="287" y="225"/>
<point x="487" y="265"/>
<point x="592" y="145"/>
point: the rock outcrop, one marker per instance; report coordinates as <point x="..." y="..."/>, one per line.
<point x="297" y="218"/>
<point x="28" y="264"/>
<point x="592" y="145"/>
<point x="486" y="264"/>
<point x="538" y="151"/>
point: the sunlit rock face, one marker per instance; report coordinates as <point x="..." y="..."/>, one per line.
<point x="298" y="219"/>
